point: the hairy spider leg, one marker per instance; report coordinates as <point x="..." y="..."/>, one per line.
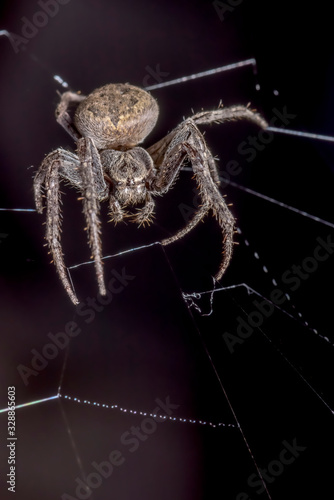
<point x="59" y="163"/>
<point x="231" y="113"/>
<point x="66" y="165"/>
<point x="94" y="190"/>
<point x="187" y="141"/>
<point x="62" y="115"/>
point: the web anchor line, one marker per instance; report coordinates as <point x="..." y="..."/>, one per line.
<point x="283" y="205"/>
<point x="147" y="414"/>
<point x="18" y="210"/>
<point x="210" y="72"/>
<point x="126" y="410"/>
<point x="300" y="133"/>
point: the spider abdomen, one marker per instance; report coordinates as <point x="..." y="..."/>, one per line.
<point x="116" y="116"/>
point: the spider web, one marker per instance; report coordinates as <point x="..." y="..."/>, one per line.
<point x="236" y="322"/>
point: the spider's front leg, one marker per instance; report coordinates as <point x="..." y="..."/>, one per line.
<point x="94" y="190"/>
<point x="58" y="164"/>
<point x="189" y="142"/>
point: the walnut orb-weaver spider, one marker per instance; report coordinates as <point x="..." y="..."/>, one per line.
<point x="109" y="166"/>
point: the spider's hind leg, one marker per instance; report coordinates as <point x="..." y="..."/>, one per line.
<point x="62" y="115"/>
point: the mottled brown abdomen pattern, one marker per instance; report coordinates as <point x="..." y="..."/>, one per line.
<point x="116" y="116"/>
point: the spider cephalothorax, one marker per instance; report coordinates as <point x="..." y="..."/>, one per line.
<point x="109" y="166"/>
<point x="128" y="173"/>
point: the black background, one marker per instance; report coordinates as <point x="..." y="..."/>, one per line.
<point x="145" y="344"/>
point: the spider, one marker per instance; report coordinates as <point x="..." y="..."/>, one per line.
<point x="108" y="126"/>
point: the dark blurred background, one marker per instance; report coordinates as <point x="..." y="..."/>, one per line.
<point x="273" y="378"/>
